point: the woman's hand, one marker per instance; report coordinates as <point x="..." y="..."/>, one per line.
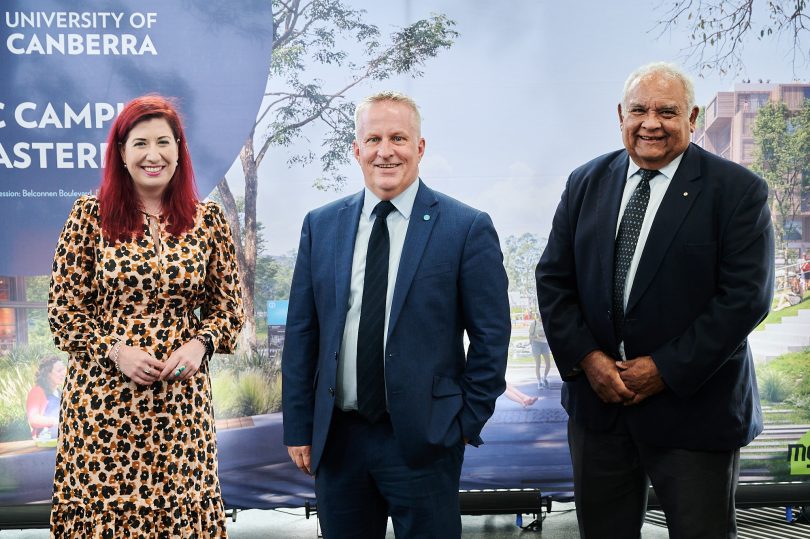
<point x="186" y="360"/>
<point x="138" y="365"/>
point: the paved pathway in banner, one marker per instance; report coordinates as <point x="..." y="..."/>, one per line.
<point x="524" y="448"/>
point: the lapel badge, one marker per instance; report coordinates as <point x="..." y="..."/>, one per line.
<point x="426" y="217"/>
<point x="686" y="194"/>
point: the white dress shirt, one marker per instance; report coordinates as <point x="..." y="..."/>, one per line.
<point x="397" y="222"/>
<point x="658" y="188"/>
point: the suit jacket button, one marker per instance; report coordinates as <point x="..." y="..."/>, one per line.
<point x="332" y="391"/>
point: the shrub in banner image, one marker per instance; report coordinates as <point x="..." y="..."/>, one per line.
<point x="245" y="385"/>
<point x="774" y="386"/>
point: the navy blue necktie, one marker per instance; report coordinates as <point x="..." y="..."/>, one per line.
<point x="626" y="241"/>
<point x="370" y="335"/>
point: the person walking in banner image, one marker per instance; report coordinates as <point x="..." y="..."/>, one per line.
<point x="658" y="266"/>
<point x="540" y="351"/>
<point x="144" y="289"/>
<point x="379" y="400"/>
<point x="42" y="403"/>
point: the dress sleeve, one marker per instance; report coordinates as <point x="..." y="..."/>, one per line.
<point x="222" y="313"/>
<point x="73" y="296"/>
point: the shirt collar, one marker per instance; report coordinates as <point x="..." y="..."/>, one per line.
<point x="667" y="172"/>
<point x="403" y="202"/>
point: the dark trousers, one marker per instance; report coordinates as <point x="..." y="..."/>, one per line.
<point x="612" y="472"/>
<point x="362" y="479"/>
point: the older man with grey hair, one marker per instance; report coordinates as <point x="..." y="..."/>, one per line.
<point x="658" y="266"/>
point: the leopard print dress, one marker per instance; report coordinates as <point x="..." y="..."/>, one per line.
<point x="139" y="461"/>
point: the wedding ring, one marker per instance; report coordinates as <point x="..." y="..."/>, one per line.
<point x="147" y="372"/>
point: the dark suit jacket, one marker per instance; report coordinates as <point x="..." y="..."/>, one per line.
<point x="450" y="279"/>
<point x="704" y="281"/>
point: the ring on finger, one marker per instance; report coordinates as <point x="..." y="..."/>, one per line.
<point x="146" y="371"/>
<point x="179" y="370"/>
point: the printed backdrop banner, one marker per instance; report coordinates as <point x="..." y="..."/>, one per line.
<point x="68" y="66"/>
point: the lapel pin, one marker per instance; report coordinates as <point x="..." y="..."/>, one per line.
<point x="426" y="217"/>
<point x="685" y="194"/>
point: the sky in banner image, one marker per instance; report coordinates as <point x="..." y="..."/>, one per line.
<point x="527" y="93"/>
<point x="68" y="66"/>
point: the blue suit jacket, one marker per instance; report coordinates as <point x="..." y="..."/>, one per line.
<point x="450" y="279"/>
<point x="704" y="281"/>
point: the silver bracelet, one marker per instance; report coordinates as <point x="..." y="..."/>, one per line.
<point x="116" y="351"/>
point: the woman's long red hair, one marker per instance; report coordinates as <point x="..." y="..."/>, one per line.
<point x="120" y="211"/>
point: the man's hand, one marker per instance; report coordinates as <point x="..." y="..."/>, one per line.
<point x="641" y="376"/>
<point x="604" y="377"/>
<point x="300" y="455"/>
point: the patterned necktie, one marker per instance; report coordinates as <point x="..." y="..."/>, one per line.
<point x="626" y="241"/>
<point x="370" y="336"/>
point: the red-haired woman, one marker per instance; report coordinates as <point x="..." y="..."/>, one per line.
<point x="136" y="455"/>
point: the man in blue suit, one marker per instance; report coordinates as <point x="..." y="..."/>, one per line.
<point x="658" y="266"/>
<point x="379" y="396"/>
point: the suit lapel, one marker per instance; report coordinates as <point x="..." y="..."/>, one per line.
<point x="423" y="217"/>
<point x="610" y="197"/>
<point x="347" y="222"/>
<point x="681" y="194"/>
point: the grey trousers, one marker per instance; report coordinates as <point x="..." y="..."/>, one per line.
<point x="612" y="472"/>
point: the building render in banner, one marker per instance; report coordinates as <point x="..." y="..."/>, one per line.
<point x="728" y="131"/>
